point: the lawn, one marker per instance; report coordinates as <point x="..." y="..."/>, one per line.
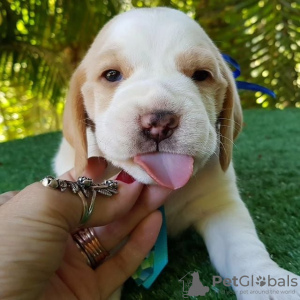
<point x="267" y="161"/>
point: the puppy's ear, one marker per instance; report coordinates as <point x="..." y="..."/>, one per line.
<point x="74" y="125"/>
<point x="230" y="118"/>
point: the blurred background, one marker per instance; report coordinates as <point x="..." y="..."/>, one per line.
<point x="42" y="42"/>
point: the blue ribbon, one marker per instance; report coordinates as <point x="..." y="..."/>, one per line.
<point x="243" y="85"/>
<point x="234" y="63"/>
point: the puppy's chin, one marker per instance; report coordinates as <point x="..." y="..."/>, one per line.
<point x="129" y="166"/>
<point x="173" y="178"/>
<point x="135" y="171"/>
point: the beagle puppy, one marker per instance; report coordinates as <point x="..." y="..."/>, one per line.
<point x="155" y="98"/>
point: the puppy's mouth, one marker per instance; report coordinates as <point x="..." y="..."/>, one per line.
<point x="169" y="170"/>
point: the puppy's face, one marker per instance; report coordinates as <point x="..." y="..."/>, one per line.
<point x="154" y="87"/>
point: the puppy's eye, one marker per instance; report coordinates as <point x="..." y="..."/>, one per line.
<point x="200" y="75"/>
<point x="112" y="75"/>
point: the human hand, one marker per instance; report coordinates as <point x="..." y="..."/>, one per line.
<point x="38" y="257"/>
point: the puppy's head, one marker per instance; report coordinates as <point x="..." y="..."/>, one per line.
<point x="157" y="95"/>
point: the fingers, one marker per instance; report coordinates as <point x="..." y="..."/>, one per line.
<point x="64" y="209"/>
<point x="7" y="196"/>
<point x="94" y="169"/>
<point x="108" y="209"/>
<point x="150" y="199"/>
<point x="114" y="272"/>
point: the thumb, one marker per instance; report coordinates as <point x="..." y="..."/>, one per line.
<point x="95" y="169"/>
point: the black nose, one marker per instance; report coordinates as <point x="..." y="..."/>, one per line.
<point x="159" y="125"/>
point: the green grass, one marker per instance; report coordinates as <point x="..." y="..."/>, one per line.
<point x="267" y="161"/>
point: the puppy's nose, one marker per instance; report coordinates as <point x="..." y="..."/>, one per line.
<point x="159" y="125"/>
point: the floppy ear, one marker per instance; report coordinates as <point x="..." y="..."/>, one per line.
<point x="74" y="126"/>
<point x="230" y="118"/>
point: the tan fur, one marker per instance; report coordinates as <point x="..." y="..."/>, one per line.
<point x="231" y="118"/>
<point x="74" y="128"/>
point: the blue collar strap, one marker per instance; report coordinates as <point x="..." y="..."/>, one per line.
<point x="242" y="85"/>
<point x="157" y="259"/>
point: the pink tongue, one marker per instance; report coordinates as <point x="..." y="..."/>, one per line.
<point x="170" y="170"/>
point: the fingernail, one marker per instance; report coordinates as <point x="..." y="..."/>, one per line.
<point x="125" y="177"/>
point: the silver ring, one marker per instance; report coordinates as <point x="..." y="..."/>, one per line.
<point x="86" y="189"/>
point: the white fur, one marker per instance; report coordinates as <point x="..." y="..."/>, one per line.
<point x="148" y="42"/>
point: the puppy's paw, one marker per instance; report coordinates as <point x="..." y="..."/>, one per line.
<point x="277" y="284"/>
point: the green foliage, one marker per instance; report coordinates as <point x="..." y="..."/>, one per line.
<point x="42" y="41"/>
